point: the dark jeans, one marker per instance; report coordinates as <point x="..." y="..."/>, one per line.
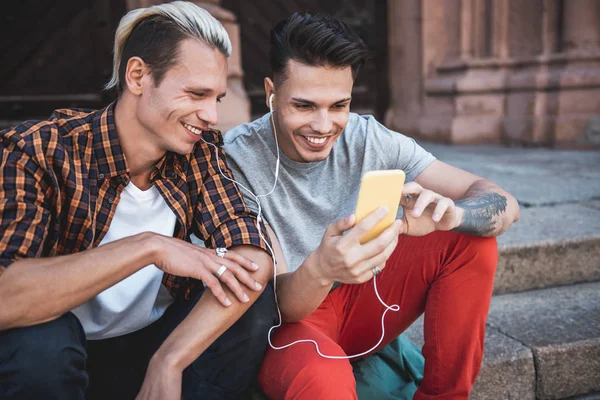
<point x="53" y="360"/>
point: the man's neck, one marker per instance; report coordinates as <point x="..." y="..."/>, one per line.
<point x="281" y="140"/>
<point x="140" y="152"/>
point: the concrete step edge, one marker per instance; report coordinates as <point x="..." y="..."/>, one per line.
<point x="546" y="265"/>
<point x="540" y="344"/>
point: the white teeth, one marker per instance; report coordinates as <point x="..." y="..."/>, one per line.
<point x="196" y="131"/>
<point x="316" y="140"/>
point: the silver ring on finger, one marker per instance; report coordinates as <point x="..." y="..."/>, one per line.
<point x="376" y="271"/>
<point x="220" y="271"/>
<point x="407" y="198"/>
<point x="221" y="251"/>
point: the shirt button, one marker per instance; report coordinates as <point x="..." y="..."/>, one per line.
<point x="101" y="176"/>
<point x="111" y="200"/>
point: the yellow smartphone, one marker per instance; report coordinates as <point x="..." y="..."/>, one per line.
<point x="378" y="189"/>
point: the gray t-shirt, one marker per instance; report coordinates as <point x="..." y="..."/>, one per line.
<point x="310" y="196"/>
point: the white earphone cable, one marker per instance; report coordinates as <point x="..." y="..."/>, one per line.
<point x="394" y="307"/>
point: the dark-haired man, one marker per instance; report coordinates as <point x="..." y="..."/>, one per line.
<point x="98" y="279"/>
<point x="442" y="264"/>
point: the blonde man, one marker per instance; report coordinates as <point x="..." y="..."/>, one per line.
<point x="102" y="294"/>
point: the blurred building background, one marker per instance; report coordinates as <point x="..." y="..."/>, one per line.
<point x="519" y="73"/>
<point x="510" y="72"/>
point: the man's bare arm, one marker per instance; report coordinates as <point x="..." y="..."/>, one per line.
<point x="36" y="290"/>
<point x="299" y="293"/>
<point x="486" y="209"/>
<point x="209" y="319"/>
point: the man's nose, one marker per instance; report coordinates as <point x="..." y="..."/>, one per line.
<point x="209" y="114"/>
<point x="322" y="123"/>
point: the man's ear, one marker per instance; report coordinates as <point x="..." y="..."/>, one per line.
<point x="134" y="74"/>
<point x="269" y="90"/>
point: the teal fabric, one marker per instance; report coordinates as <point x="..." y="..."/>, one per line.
<point x="393" y="373"/>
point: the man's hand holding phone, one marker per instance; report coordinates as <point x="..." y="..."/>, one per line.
<point x="371" y="233"/>
<point x="342" y="258"/>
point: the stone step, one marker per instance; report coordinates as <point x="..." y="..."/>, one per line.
<point x="556" y="242"/>
<point x="540" y="344"/>
<point x="586" y="397"/>
<point x="536" y="177"/>
<point x="550" y="246"/>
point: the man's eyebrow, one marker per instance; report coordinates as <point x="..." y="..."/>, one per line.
<point x="205" y="90"/>
<point x="199" y="89"/>
<point x="312" y="103"/>
<point x="343" y="100"/>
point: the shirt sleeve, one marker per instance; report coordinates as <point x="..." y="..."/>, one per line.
<point x="24" y="214"/>
<point x="240" y="177"/>
<point x="222" y="219"/>
<point x="398" y="151"/>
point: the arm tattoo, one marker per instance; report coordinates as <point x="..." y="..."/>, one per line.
<point x="480" y="213"/>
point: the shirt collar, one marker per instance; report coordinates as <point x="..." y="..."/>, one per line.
<point x="169" y="167"/>
<point x="107" y="149"/>
<point x="172" y="164"/>
<point x="111" y="160"/>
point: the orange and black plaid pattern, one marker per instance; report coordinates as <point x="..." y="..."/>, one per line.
<point x="62" y="178"/>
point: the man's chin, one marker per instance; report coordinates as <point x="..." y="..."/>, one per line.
<point x="183" y="149"/>
<point x="315" y="157"/>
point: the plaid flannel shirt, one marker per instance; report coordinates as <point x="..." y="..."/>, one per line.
<point x="62" y="178"/>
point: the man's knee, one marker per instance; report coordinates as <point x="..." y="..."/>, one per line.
<point x="43" y="359"/>
<point x="485" y="252"/>
<point x="319" y="378"/>
<point x="326" y="379"/>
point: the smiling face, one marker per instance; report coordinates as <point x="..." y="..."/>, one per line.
<point x="175" y="112"/>
<point x="312" y="107"/>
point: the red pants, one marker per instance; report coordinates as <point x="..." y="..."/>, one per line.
<point x="447" y="275"/>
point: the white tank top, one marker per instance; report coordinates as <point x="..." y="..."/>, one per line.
<point x="139" y="299"/>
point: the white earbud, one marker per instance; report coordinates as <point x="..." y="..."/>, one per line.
<point x="271" y="101"/>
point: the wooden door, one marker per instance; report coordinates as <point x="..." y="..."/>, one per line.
<point x="55" y="54"/>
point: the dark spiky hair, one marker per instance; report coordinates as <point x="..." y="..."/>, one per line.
<point x="315" y="40"/>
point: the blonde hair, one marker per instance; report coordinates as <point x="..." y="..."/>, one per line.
<point x="187" y="19"/>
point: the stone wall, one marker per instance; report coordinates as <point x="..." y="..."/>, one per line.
<point x="500" y="71"/>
